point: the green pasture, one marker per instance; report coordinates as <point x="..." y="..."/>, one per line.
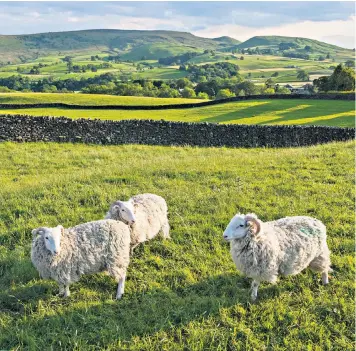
<point x="185" y="293"/>
<point x="87" y="99"/>
<point x="283" y="111"/>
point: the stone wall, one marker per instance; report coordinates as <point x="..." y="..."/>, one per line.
<point x="30" y="129"/>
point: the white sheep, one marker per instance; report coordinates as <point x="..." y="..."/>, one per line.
<point x="264" y="250"/>
<point x="146" y="214"/>
<point x="66" y="254"/>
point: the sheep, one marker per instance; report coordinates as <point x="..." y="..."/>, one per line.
<point x="264" y="250"/>
<point x="146" y="214"/>
<point x="66" y="254"/>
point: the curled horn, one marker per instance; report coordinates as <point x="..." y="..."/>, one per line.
<point x="252" y="220"/>
<point x="37" y="231"/>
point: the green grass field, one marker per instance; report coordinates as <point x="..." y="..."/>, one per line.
<point x="88" y="99"/>
<point x="182" y="294"/>
<point x="304" y="112"/>
<point x="256" y="64"/>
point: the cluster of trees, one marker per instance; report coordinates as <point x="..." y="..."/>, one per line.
<point x="20" y="83"/>
<point x="210" y="71"/>
<point x="287" y="46"/>
<point x="214" y="81"/>
<point x="176" y="60"/>
<point x="171" y="89"/>
<point x="293" y="54"/>
<point x="89" y="67"/>
<point x="109" y="83"/>
<point x="342" y="79"/>
<point x="83" y="68"/>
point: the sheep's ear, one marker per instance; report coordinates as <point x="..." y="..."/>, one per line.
<point x="61" y="228"/>
<point x="254" y="223"/>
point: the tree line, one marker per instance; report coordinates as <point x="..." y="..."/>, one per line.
<point x="211" y="81"/>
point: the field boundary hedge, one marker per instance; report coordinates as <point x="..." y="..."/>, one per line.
<point x="347" y="96"/>
<point x="21" y="128"/>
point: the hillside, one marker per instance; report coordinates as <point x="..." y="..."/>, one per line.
<point x="296" y="45"/>
<point x="133" y="44"/>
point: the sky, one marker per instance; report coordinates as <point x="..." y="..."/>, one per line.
<point x="329" y="21"/>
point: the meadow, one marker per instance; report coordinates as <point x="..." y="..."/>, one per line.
<point x="88" y="99"/>
<point x="257" y="65"/>
<point x="303" y="112"/>
<point x="185" y="293"/>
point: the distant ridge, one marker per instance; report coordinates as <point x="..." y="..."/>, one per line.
<point x="141" y="44"/>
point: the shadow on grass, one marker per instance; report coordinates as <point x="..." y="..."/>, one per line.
<point x="100" y="321"/>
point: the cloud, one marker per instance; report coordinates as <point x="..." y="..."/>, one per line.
<point x="337" y="32"/>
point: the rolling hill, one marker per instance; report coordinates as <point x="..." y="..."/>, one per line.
<point x="296" y="45"/>
<point x="136" y="45"/>
<point x="132" y="44"/>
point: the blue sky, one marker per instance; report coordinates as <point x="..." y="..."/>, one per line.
<point x="333" y="22"/>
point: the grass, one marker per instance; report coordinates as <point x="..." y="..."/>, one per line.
<point x="87" y="99"/>
<point x="305" y="112"/>
<point x="182" y="294"/>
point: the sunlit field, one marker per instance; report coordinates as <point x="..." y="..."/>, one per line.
<point x="88" y="99"/>
<point x="303" y="112"/>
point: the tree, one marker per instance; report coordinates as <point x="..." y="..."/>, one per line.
<point x="248" y="87"/>
<point x="322" y="84"/>
<point x="350" y="63"/>
<point x="321" y="58"/>
<point x="242" y="58"/>
<point x="282" y="90"/>
<point x="343" y="79"/>
<point x="183" y="82"/>
<point x="67" y="59"/>
<point x="308" y="48"/>
<point x="70" y="66"/>
<point x="269" y="91"/>
<point x="303" y="75"/>
<point x="203" y="96"/>
<point x="188" y="93"/>
<point x="269" y="82"/>
<point x="328" y="55"/>
<point x="275" y="74"/>
<point x="224" y="94"/>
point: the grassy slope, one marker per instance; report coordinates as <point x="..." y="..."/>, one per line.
<point x="87" y="42"/>
<point x="183" y="294"/>
<point x="88" y="99"/>
<point x="318" y="47"/>
<point x="316" y="112"/>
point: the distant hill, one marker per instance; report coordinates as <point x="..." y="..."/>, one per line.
<point x="131" y="44"/>
<point x="282" y="44"/>
<point x="152" y="45"/>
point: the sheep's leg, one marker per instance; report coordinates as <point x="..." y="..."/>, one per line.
<point x="255" y="284"/>
<point x="120" y="287"/>
<point x="64" y="290"/>
<point x="165" y="230"/>
<point x="132" y="248"/>
<point x="325" y="278"/>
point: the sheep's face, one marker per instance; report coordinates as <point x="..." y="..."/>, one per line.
<point x="123" y="211"/>
<point x="241" y="225"/>
<point x="51" y="237"/>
